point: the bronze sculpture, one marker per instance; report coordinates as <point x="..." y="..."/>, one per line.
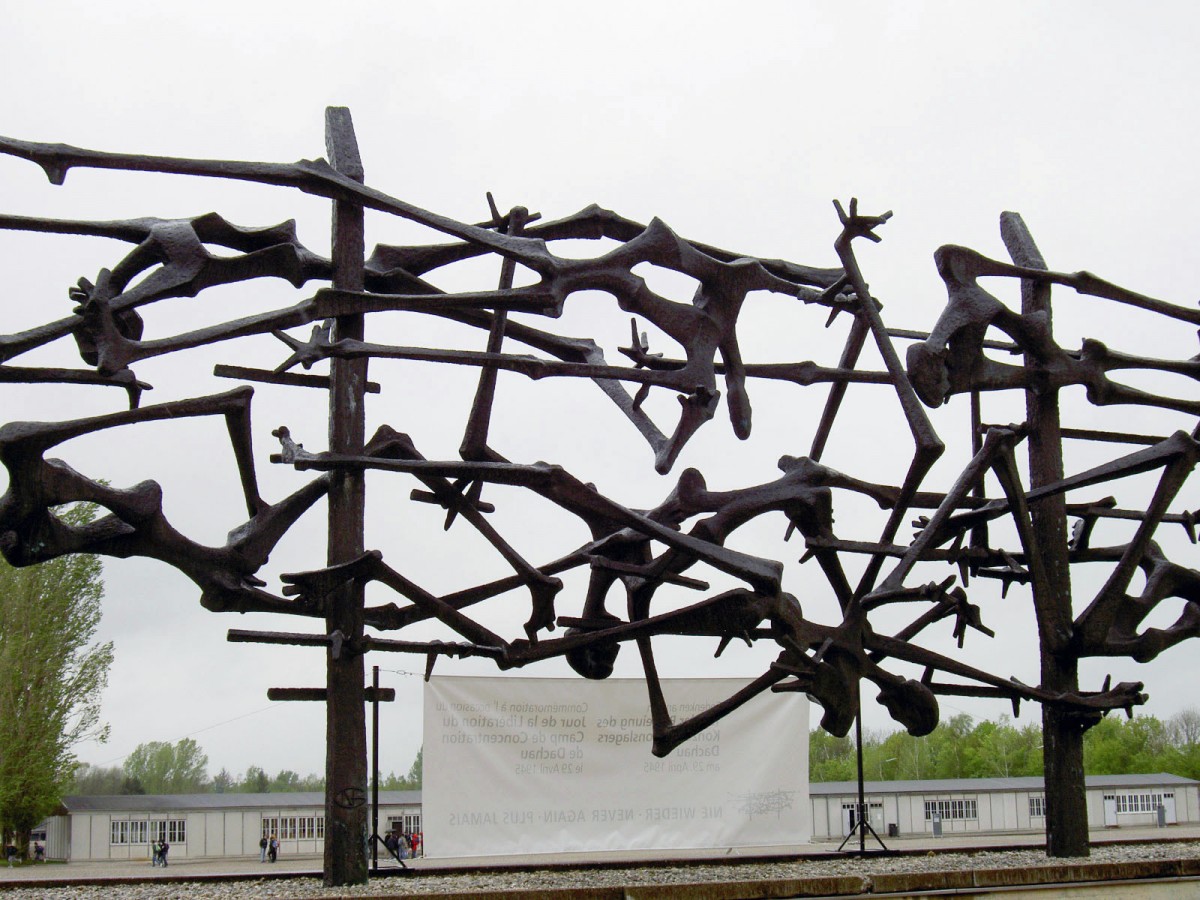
<point x="642" y="550"/>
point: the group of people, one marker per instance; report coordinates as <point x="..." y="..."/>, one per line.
<point x="268" y="849"/>
<point x="13" y="854"/>
<point x="159" y="849"/>
<point x="401" y="845"/>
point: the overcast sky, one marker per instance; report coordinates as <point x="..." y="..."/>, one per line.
<point x="736" y="124"/>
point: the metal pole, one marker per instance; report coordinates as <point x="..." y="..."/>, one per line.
<point x="375" y="771"/>
<point x="346" y="739"/>
<point x="1066" y="809"/>
<point x="862" y="824"/>
<point x="862" y="795"/>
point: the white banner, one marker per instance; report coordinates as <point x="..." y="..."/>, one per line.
<point x="548" y="765"/>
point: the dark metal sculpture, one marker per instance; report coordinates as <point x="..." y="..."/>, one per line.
<point x="691" y="523"/>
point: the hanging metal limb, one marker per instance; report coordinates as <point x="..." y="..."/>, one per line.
<point x="314" y="587"/>
<point x="1089" y="703"/>
<point x="1159" y="456"/>
<point x="996" y="443"/>
<point x="594" y="223"/>
<point x="1095" y="623"/>
<point x="557" y="485"/>
<point x="951" y="359"/>
<point x="388" y="444"/>
<point x="31" y="532"/>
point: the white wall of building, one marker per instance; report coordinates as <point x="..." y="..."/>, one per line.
<point x="995" y="810"/>
<point x="234" y="831"/>
<point x="208" y="833"/>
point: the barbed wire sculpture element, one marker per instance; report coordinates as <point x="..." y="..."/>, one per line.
<point x="640" y="550"/>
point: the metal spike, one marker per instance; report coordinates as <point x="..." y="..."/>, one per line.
<point x="1189" y="524"/>
<point x="722" y="644"/>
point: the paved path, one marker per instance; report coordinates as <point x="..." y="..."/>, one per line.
<point x="181" y="868"/>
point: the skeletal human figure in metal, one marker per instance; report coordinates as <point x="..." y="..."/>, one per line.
<point x="692" y="523"/>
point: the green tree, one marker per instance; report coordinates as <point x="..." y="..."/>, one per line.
<point x="164" y="768"/>
<point x="414" y="771"/>
<point x="1001" y="750"/>
<point x="880" y="763"/>
<point x="949" y="745"/>
<point x="286" y="780"/>
<point x="957" y="748"/>
<point x="51" y="679"/>
<point x="409" y="782"/>
<point x="1183" y="734"/>
<point x="961" y="748"/>
<point x="256" y="781"/>
<point x="1183" y="728"/>
<point x="1116" y="747"/>
<point x="223" y="782"/>
<point x="97" y="780"/>
<point x="914" y="756"/>
<point x="830" y="758"/>
<point x="311" y="782"/>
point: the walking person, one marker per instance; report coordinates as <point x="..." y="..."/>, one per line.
<point x="273" y="849"/>
<point x="162" y="854"/>
<point x="155" y="853"/>
<point x="262" y="849"/>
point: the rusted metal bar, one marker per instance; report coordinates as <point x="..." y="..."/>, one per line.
<point x="1113" y="437"/>
<point x="292" y="379"/>
<point x="909" y="334"/>
<point x="1087" y="434"/>
<point x="239" y="636"/>
<point x="385" y="695"/>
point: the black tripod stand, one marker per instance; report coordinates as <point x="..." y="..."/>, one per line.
<point x="376" y="841"/>
<point x="862" y="823"/>
<point x="861" y="826"/>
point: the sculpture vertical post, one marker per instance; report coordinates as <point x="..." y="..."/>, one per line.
<point x="1062" y="732"/>
<point x="345" y="723"/>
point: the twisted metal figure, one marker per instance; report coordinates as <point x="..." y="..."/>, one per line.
<point x="641" y="550"/>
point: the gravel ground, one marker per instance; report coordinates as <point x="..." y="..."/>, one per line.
<point x="583" y="878"/>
